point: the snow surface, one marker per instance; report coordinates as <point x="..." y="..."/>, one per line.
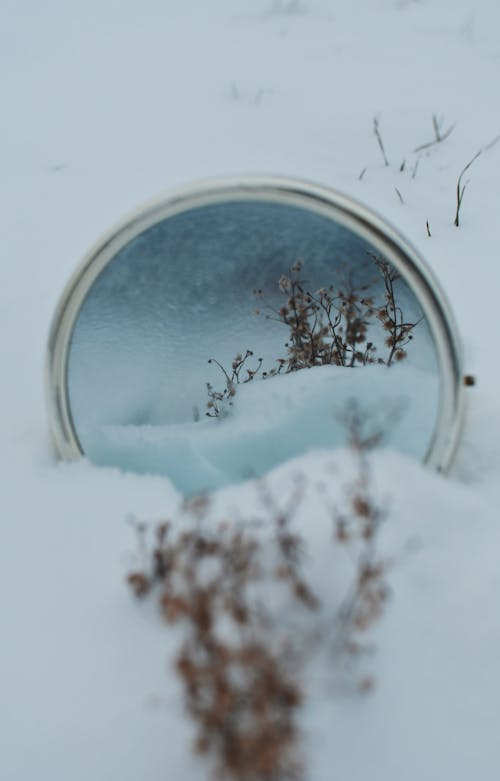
<point x="270" y="421"/>
<point x="107" y="104"/>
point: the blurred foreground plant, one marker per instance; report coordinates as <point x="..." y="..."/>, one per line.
<point x="252" y="620"/>
<point x="239" y="676"/>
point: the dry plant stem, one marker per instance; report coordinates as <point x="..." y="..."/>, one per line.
<point x="399" y="195"/>
<point x="415" y="168"/>
<point x="328" y="327"/>
<point x="461" y="187"/>
<point x="242" y="667"/>
<point x="365" y="602"/>
<point x="391" y="315"/>
<point x="332" y="326"/>
<point x="438" y="136"/>
<point x="358" y="530"/>
<point x="216" y="399"/>
<point x="376" y="130"/>
<point x="325" y="327"/>
<point x="242" y="689"/>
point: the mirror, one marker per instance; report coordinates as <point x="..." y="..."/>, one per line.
<point x="227" y="329"/>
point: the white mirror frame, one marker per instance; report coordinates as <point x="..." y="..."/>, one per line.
<point x="320" y="200"/>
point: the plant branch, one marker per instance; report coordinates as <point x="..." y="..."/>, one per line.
<point x="438" y="136"/>
<point x="376" y="130"/>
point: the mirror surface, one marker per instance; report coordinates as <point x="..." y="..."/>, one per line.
<point x="228" y="338"/>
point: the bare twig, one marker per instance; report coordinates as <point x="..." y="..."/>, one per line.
<point x="216" y="399"/>
<point x="415" y="168"/>
<point x="491" y="144"/>
<point x="241" y="672"/>
<point x="428" y="228"/>
<point x="357" y="528"/>
<point x="379" y="140"/>
<point x="438" y="136"/>
<point x="331" y="326"/>
<point x="399" y="195"/>
<point x="435" y="125"/>
<point x="243" y="668"/>
<point x="391" y="315"/>
<point x="363" y="172"/>
<point x="461" y="187"/>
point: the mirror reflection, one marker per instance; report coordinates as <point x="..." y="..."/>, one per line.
<point x="229" y="338"/>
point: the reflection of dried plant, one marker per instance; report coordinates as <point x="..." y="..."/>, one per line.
<point x="391" y="315"/>
<point x="333" y="326"/>
<point x="216" y="399"/>
<point x="326" y="327"/>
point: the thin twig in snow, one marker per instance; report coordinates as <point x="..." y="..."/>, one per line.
<point x="491" y="144"/>
<point x="379" y="139"/>
<point x="415" y="168"/>
<point x="438" y="136"/>
<point x="461" y="187"/>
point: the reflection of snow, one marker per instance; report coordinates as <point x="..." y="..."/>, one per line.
<point x="274" y="420"/>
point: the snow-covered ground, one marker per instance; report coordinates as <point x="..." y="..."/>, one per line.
<point x="273" y="420"/>
<point x="107" y="104"/>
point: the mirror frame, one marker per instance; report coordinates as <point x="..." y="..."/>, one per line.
<point x="318" y="199"/>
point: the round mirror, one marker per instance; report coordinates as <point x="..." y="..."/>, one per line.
<point x="228" y="328"/>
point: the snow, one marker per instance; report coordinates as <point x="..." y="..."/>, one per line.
<point x="107" y="104"/>
<point x="272" y="420"/>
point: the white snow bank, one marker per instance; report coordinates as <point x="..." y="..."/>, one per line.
<point x="273" y="420"/>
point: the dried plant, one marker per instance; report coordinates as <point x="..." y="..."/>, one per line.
<point x="332" y="326"/>
<point x="326" y="327"/>
<point x="242" y="660"/>
<point x="241" y="684"/>
<point x="216" y="399"/>
<point x="460" y="189"/>
<point x="357" y="528"/>
<point x="400" y="332"/>
<point x="376" y="131"/>
<point x="439" y="136"/>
